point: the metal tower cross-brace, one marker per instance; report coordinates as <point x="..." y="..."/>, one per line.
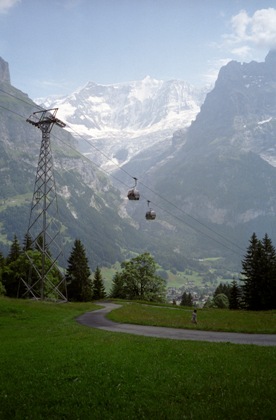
<point x="45" y="280"/>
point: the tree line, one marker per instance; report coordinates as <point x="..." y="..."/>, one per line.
<point x="137" y="280"/>
<point x="256" y="289"/>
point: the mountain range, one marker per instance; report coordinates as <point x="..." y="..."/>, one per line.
<point x="207" y="166"/>
<point x="121" y="120"/>
<point x="224" y="171"/>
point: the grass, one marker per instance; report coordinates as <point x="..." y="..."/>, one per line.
<point x="53" y="368"/>
<point x="208" y="319"/>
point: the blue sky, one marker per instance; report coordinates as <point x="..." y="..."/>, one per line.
<point x="55" y="46"/>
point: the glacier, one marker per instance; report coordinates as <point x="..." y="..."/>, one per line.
<point x="114" y="122"/>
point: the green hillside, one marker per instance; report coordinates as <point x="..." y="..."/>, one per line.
<point x="72" y="371"/>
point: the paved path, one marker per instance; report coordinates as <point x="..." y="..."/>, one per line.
<point x="97" y="319"/>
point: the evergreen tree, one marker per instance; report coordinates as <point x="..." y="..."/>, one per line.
<point x="235" y="296"/>
<point x="15" y="250"/>
<point x="268" y="284"/>
<point x="259" y="270"/>
<point x="40" y="246"/>
<point x="118" y="287"/>
<point x="98" y="285"/>
<point x="79" y="286"/>
<point x="252" y="272"/>
<point x="2" y="260"/>
<point x="187" y="299"/>
<point x="2" y="265"/>
<point x="27" y="242"/>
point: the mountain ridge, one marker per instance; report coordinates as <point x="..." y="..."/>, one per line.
<point x="227" y="157"/>
<point x="134" y="115"/>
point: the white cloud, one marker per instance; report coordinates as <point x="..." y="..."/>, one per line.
<point x="251" y="32"/>
<point x="242" y="52"/>
<point x="6" y="5"/>
<point x="250" y="39"/>
<point x="240" y="24"/>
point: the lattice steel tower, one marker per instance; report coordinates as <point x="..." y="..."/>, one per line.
<point x="45" y="279"/>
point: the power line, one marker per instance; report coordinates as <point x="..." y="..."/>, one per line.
<point x="127" y="173"/>
<point x="160" y="196"/>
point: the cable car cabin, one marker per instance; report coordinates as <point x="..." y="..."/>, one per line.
<point x="133" y="194"/>
<point x="150" y="215"/>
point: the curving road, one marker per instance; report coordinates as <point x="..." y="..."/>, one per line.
<point x="97" y="319"/>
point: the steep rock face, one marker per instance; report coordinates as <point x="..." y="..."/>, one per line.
<point x="4" y="71"/>
<point x="225" y="171"/>
<point x="243" y="100"/>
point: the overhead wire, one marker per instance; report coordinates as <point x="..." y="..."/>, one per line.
<point x="33" y="105"/>
<point x="165" y="210"/>
<point x="161" y="197"/>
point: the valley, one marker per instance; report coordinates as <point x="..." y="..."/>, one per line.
<point x="203" y="158"/>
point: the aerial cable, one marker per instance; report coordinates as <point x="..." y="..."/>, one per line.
<point x="100" y="151"/>
<point x="127" y="173"/>
<point x="160" y="196"/>
<point x="13" y="112"/>
<point x="192" y="217"/>
<point x="71" y="129"/>
<point x="31" y="104"/>
<point x="201" y="232"/>
<point x="176" y="217"/>
<point x="163" y="198"/>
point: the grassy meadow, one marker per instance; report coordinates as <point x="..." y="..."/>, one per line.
<point x="208" y="319"/>
<point x="51" y="367"/>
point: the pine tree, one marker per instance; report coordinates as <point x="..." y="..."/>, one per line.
<point x="268" y="283"/>
<point x="15" y="250"/>
<point x="259" y="270"/>
<point x="10" y="272"/>
<point x="98" y="285"/>
<point x="2" y="260"/>
<point x="2" y="265"/>
<point x="118" y="287"/>
<point x="235" y="296"/>
<point x="187" y="299"/>
<point x="251" y="272"/>
<point x="27" y="242"/>
<point x="79" y="286"/>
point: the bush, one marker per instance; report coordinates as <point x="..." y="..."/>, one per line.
<point x="221" y="301"/>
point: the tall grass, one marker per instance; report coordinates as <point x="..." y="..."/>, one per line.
<point x="53" y="368"/>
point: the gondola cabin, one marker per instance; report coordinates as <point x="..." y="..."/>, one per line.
<point x="133" y="194"/>
<point x="150" y="215"/>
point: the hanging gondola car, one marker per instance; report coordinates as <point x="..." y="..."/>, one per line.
<point x="133" y="194"/>
<point x="150" y="214"/>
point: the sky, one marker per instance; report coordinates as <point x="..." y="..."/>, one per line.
<point x="54" y="47"/>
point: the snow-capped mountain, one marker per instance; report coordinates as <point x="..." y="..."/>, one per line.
<point x="120" y="120"/>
